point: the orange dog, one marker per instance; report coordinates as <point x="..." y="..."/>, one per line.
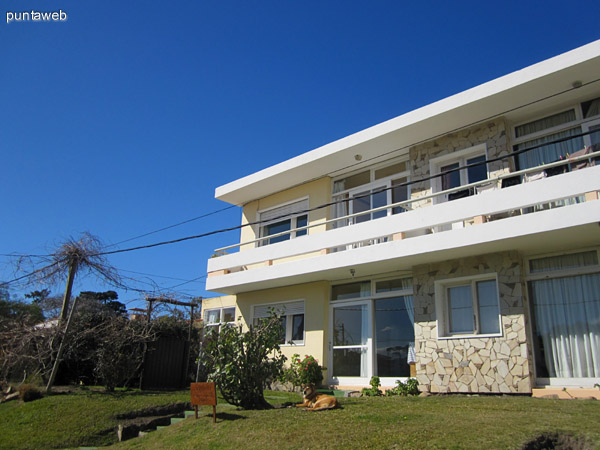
<point x="313" y="401"/>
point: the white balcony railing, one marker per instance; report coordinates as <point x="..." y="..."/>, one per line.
<point x="493" y="205"/>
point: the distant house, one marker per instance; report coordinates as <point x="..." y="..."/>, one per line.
<point x="458" y="243"/>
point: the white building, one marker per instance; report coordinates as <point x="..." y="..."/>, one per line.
<point x="458" y="243"/>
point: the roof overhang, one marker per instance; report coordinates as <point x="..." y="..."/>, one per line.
<point x="542" y="86"/>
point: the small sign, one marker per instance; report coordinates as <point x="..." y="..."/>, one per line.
<point x="204" y="394"/>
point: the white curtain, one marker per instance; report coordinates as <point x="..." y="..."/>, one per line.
<point x="562" y="262"/>
<point x="547" y="122"/>
<point x="364" y="336"/>
<point x="410" y="310"/>
<point x="551" y="152"/>
<point x="594" y="108"/>
<point x="340" y="209"/>
<point x="567" y="313"/>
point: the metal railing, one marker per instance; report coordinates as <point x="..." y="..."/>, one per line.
<point x="403" y="204"/>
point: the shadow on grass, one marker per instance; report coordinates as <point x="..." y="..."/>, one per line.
<point x="226" y="417"/>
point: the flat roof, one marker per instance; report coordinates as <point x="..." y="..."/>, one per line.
<point x="514" y="95"/>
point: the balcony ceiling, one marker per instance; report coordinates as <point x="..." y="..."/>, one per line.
<point x="495" y="98"/>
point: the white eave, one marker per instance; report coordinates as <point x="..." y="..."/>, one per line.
<point x="498" y="97"/>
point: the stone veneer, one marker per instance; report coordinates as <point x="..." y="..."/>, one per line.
<point x="493" y="134"/>
<point x="487" y="364"/>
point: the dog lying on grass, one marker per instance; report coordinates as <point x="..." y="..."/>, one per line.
<point x="313" y="401"/>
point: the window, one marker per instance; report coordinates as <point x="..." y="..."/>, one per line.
<point x="291" y="316"/>
<point x="564" y="124"/>
<point x="216" y="318"/>
<point x="452" y="176"/>
<point x="468" y="306"/>
<point x="372" y="329"/>
<point x="564" y="294"/>
<point x="284" y="218"/>
<point x="369" y="189"/>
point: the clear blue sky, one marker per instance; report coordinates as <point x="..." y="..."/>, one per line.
<point x="123" y="119"/>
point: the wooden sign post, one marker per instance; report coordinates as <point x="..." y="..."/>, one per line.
<point x="204" y="394"/>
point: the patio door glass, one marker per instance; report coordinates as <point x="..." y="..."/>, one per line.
<point x="351" y="333"/>
<point x="366" y="200"/>
<point x="394" y="336"/>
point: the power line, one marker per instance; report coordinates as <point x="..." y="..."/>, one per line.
<point x="325" y="205"/>
<point x="189" y="281"/>
<point x="153" y="275"/>
<point x="6" y="283"/>
<point x="171" y="226"/>
<point x="223" y="230"/>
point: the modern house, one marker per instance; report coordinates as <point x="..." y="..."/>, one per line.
<point x="458" y="243"/>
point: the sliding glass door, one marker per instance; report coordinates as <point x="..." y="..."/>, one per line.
<point x="372" y="331"/>
<point x="564" y="293"/>
<point x="351" y="340"/>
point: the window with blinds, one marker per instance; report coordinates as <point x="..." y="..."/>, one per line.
<point x="279" y="222"/>
<point x="291" y="316"/>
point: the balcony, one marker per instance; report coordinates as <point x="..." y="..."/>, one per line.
<point x="549" y="214"/>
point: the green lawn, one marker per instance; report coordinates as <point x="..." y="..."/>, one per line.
<point x="448" y="422"/>
<point x="84" y="417"/>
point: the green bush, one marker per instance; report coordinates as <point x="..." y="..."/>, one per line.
<point x="304" y="371"/>
<point x="241" y="362"/>
<point x="411" y="387"/>
<point x="29" y="392"/>
<point x="374" y="390"/>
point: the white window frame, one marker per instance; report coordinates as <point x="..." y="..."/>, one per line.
<point x="587" y="140"/>
<point x="293" y="218"/>
<point x="221" y="321"/>
<point x="443" y="309"/>
<point x="279" y="308"/>
<point x="371" y="345"/>
<point x="559" y="273"/>
<point x="460" y="157"/>
<point x="372" y="185"/>
<point x="581" y="122"/>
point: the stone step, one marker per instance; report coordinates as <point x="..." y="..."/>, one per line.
<point x="566" y="393"/>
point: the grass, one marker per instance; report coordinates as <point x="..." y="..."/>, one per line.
<point x="437" y="422"/>
<point x="83" y="417"/>
<point x="444" y="422"/>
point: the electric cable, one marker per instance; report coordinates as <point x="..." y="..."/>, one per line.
<point x="408" y="183"/>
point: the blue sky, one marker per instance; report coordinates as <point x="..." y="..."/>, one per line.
<point x="125" y="118"/>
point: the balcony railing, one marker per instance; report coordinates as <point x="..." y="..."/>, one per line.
<point x="497" y="203"/>
<point x="521" y="176"/>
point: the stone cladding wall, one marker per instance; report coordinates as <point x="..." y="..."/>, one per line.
<point x="492" y="133"/>
<point x="472" y="364"/>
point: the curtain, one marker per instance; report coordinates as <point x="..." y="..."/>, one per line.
<point x="410" y="310"/>
<point x="340" y="209"/>
<point x="545" y="123"/>
<point x="567" y="314"/>
<point x="364" y="336"/>
<point x="551" y="152"/>
<point x="562" y="262"/>
<point x="593" y="108"/>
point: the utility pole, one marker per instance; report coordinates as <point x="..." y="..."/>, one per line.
<point x="61" y="348"/>
<point x="70" y="278"/>
<point x="148" y="315"/>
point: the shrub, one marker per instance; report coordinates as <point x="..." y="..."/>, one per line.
<point x="304" y="371"/>
<point x="29" y="392"/>
<point x="240" y="363"/>
<point x="374" y="390"/>
<point x="411" y="387"/>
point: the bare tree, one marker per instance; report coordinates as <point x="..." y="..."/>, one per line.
<point x="81" y="256"/>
